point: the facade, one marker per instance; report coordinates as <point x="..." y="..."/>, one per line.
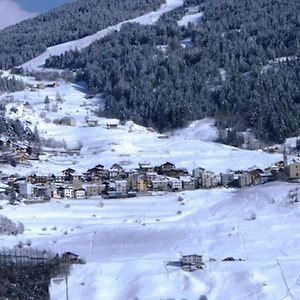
<point x="227" y="178"/>
<point x="197" y="173"/>
<point x="79" y="193"/>
<point x="121" y="186"/>
<point x="244" y="179"/>
<point x="293" y="170"/>
<point x="159" y="184"/>
<point x="26" y="189"/>
<point x="69" y="192"/>
<point x="175" y="184"/>
<point x="207" y="179"/>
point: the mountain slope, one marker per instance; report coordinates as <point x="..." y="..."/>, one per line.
<point x="26" y="40"/>
<point x="241" y="67"/>
<point x="148" y="18"/>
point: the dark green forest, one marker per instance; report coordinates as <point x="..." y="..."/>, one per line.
<point x="11" y="84"/>
<point x="230" y="68"/>
<point x="28" y="39"/>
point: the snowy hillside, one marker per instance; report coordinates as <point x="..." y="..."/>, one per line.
<point x="127" y="243"/>
<point x="128" y="145"/>
<point x="146" y="19"/>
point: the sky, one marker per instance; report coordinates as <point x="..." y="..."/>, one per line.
<point x="14" y="11"/>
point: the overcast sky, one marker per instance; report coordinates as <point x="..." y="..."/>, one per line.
<point x="14" y="11"/>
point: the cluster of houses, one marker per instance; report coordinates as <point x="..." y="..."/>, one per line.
<point x="14" y="153"/>
<point x="117" y="182"/>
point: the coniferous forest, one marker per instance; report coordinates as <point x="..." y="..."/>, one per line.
<point x="240" y="64"/>
<point x="28" y="39"/>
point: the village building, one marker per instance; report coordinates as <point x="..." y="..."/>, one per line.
<point x="165" y="168"/>
<point x="116" y="171"/>
<point x="207" y="179"/>
<point x="25" y="189"/>
<point x="227" y="178"/>
<point x="146" y="168"/>
<point x="113" y="124"/>
<point x="92" y="123"/>
<point x="188" y="183"/>
<point x="244" y="180"/>
<point x="293" y="170"/>
<point x="121" y="186"/>
<point x="68" y="121"/>
<point x="255" y="173"/>
<point x="197" y="173"/>
<point x="159" y="184"/>
<point x="69" y="192"/>
<point x="79" y="193"/>
<point x="175" y="184"/>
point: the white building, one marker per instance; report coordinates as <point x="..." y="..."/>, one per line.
<point x="207" y="179"/>
<point x="121" y="186"/>
<point x="79" y="193"/>
<point x="25" y="189"/>
<point x="175" y="184"/>
<point x="69" y="192"/>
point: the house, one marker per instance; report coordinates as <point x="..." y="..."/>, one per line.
<point x="244" y="179"/>
<point x="175" y="184"/>
<point x="112" y="124"/>
<point x="92" y="123"/>
<point x="68" y="192"/>
<point x="79" y="193"/>
<point x="25" y="189"/>
<point x="70" y="257"/>
<point x="293" y="170"/>
<point x="21" y="155"/>
<point x="255" y="172"/>
<point x="94" y="189"/>
<point x="188" y="183"/>
<point x="68" y="172"/>
<point x="193" y="259"/>
<point x="41" y="191"/>
<point x="227" y="178"/>
<point x="95" y="174"/>
<point x="146" y="168"/>
<point x="121" y="186"/>
<point x="165" y="168"/>
<point x="159" y="184"/>
<point x="116" y="171"/>
<point x="192" y="262"/>
<point x="264" y="178"/>
<point x="197" y="173"/>
<point x="207" y="179"/>
<point x="68" y="121"/>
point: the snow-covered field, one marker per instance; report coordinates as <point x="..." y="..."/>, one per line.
<point x="127" y="243"/>
<point x="79" y="44"/>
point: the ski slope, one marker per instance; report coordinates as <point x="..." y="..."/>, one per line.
<point x="79" y="44"/>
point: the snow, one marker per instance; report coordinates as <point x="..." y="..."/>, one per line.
<point x="203" y="130"/>
<point x="129" y="144"/>
<point x="79" y="44"/>
<point x="127" y="260"/>
<point x="190" y="18"/>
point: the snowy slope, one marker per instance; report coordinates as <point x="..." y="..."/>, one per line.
<point x="128" y="242"/>
<point x="190" y="18"/>
<point x="128" y="145"/>
<point x="79" y="44"/>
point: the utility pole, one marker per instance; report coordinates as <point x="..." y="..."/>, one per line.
<point x="67" y="288"/>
